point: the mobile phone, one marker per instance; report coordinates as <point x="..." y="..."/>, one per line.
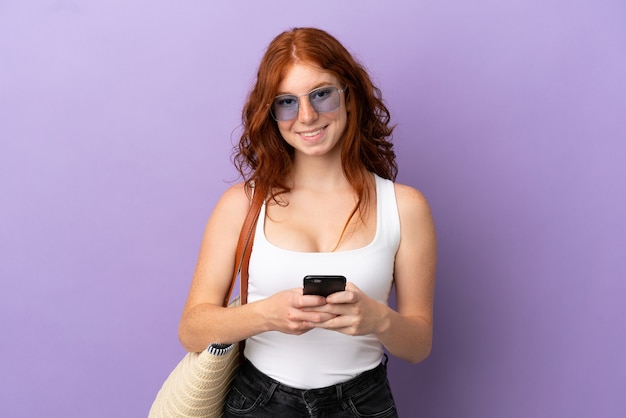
<point x="323" y="285"/>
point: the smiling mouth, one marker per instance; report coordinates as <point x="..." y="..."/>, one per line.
<point x="312" y="134"/>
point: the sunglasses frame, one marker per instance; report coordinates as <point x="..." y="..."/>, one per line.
<point x="339" y="91"/>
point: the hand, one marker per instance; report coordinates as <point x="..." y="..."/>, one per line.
<point x="291" y="312"/>
<point x="353" y="313"/>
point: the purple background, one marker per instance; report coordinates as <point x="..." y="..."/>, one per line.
<point x="116" y="124"/>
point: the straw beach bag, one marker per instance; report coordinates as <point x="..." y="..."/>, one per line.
<point x="198" y="385"/>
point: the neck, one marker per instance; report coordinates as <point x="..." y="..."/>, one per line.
<point x="318" y="173"/>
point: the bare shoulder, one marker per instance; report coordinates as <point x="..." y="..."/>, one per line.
<point x="235" y="197"/>
<point x="232" y="207"/>
<point x="411" y="200"/>
<point x="416" y="219"/>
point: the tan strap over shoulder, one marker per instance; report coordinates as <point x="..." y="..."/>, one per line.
<point x="244" y="246"/>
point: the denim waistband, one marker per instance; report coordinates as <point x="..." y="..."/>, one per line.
<point x="360" y="383"/>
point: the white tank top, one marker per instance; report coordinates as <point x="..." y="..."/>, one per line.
<point x="321" y="358"/>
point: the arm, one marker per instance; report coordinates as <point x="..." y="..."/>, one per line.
<point x="407" y="332"/>
<point x="201" y="319"/>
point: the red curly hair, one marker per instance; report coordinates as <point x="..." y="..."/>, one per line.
<point x="263" y="158"/>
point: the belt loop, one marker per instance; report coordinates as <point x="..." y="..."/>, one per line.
<point x="270" y="392"/>
<point x="385" y="360"/>
<point x="339" y="389"/>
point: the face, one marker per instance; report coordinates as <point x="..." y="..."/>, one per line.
<point x="311" y="132"/>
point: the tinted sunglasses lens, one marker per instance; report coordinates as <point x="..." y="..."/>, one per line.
<point x="285" y="107"/>
<point x="325" y="99"/>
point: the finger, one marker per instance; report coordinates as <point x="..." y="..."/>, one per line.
<point x="307" y="301"/>
<point x="352" y="287"/>
<point x="318" y="317"/>
<point x="347" y="296"/>
<point x="299" y="327"/>
<point x="337" y="323"/>
<point x="332" y="309"/>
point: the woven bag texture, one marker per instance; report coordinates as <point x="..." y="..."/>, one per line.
<point x="198" y="385"/>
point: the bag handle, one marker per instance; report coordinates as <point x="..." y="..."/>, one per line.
<point x="244" y="247"/>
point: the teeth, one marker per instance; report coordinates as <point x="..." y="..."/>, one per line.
<point x="309" y="134"/>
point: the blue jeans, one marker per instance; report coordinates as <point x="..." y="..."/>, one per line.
<point x="254" y="394"/>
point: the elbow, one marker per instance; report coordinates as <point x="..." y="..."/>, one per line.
<point x="422" y="344"/>
<point x="193" y="333"/>
<point x="187" y="342"/>
<point x="420" y="353"/>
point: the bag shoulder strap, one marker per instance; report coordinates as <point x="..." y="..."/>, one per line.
<point x="244" y="246"/>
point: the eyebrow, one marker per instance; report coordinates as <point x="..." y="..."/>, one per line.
<point x="317" y="86"/>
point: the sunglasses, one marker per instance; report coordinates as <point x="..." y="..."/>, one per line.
<point x="323" y="99"/>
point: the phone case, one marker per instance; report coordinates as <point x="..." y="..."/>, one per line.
<point x="323" y="285"/>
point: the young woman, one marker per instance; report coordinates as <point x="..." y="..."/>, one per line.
<point x="316" y="136"/>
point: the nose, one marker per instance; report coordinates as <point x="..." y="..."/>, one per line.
<point x="306" y="112"/>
